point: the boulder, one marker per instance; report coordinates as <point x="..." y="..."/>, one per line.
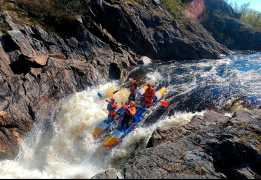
<point x="144" y="60"/>
<point x="209" y="146"/>
<point x="109" y="174"/>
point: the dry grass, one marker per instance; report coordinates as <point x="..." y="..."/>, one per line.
<point x="200" y="171"/>
<point x="182" y="155"/>
<point x="244" y="125"/>
<point x="242" y="139"/>
<point x="256" y="136"/>
<point x="259" y="148"/>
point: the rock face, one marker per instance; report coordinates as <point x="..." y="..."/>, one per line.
<point x="38" y="68"/>
<point x="210" y="146"/>
<point x="109" y="174"/>
<point x="227" y="29"/>
<point x="157" y="35"/>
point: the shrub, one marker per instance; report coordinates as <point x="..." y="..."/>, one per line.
<point x="173" y="6"/>
<point x="48" y="12"/>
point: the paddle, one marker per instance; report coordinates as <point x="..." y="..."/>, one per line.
<point x="99" y="94"/>
<point x="121" y="88"/>
<point x="116" y="91"/>
<point x="164" y="103"/>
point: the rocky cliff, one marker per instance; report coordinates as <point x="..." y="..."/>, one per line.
<point x="38" y="68"/>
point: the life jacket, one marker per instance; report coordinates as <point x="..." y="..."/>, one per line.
<point x="133" y="88"/>
<point x="112" y="108"/>
<point x="130" y="111"/>
<point x="149" y="94"/>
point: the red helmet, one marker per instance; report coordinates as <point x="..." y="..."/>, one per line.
<point x="133" y="81"/>
<point x="132" y="103"/>
<point x="112" y="99"/>
<point x="149" y="84"/>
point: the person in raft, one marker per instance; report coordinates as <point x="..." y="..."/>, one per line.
<point x="149" y="94"/>
<point x="133" y="89"/>
<point x="130" y="110"/>
<point x="111" y="107"/>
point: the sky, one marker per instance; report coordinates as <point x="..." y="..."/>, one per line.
<point x="254" y="4"/>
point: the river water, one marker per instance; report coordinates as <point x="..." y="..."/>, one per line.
<point x="63" y="147"/>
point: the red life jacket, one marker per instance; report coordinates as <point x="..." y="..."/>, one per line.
<point x="149" y="93"/>
<point x="131" y="111"/>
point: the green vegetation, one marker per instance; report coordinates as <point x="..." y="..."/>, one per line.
<point x="248" y="15"/>
<point x="54" y="14"/>
<point x="174" y="7"/>
<point x="218" y="12"/>
<point x="44" y="12"/>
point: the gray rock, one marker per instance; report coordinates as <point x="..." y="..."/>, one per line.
<point x="144" y="60"/>
<point x="109" y="174"/>
<point x="213" y="145"/>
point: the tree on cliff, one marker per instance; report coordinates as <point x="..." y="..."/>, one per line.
<point x="248" y="15"/>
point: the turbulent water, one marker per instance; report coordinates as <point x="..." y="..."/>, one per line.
<point x="63" y="147"/>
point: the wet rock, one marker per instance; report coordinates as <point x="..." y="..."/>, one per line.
<point x="37" y="69"/>
<point x="181" y="160"/>
<point x="109" y="174"/>
<point x="11" y="133"/>
<point x="210" y="146"/>
<point x="166" y="135"/>
<point x="144" y="60"/>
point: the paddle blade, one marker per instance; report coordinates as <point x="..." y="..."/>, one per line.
<point x="164" y="103"/>
<point x="99" y="94"/>
<point x="137" y="118"/>
<point x="115" y="91"/>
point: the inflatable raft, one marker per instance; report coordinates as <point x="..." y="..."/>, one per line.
<point x="106" y="124"/>
<point x="122" y="132"/>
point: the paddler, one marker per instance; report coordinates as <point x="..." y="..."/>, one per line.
<point x="130" y="110"/>
<point x="149" y="94"/>
<point x="133" y="88"/>
<point x="111" y="107"/>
